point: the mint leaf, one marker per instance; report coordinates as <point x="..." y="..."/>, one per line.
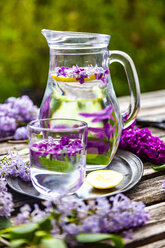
<point x="96" y="237"/>
<point x="55" y="165"/>
<point x="97" y="159"/>
<point x="24" y="231"/>
<point x="158" y="167"/>
<point x="4" y="223"/>
<point x="17" y="243"/>
<point x="45" y="224"/>
<point x="52" y="243"/>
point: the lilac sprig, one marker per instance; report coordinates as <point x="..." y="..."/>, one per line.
<point x="14" y="113"/>
<point x="6" y="201"/>
<point x="143" y="144"/>
<point x="80" y="73"/>
<point x="13" y="165"/>
<point x="21" y="133"/>
<point x="71" y="216"/>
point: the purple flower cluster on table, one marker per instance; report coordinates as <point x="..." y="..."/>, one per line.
<point x="102" y="215"/>
<point x="143" y="144"/>
<point x="6" y="201"/>
<point x="54" y="147"/>
<point x="80" y="73"/>
<point x="21" y="133"/>
<point x="14" y="113"/>
<point x="13" y="165"/>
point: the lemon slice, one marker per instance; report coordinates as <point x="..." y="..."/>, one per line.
<point x="72" y="79"/>
<point x="104" y="179"/>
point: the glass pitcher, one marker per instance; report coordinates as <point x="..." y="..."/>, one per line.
<point x="79" y="87"/>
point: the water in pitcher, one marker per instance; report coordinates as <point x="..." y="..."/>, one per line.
<point x="82" y="93"/>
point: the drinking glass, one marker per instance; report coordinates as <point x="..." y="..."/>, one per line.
<point x="57" y="155"/>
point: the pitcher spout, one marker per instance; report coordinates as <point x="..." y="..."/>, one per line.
<point x="75" y="40"/>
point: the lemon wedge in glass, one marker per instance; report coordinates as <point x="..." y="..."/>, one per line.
<point x="104" y="179"/>
<point x="72" y="79"/>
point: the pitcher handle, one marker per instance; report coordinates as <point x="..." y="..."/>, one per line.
<point x="133" y="82"/>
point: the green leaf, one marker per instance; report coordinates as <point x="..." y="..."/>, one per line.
<point x="97" y="159"/>
<point x="17" y="243"/>
<point x="45" y="224"/>
<point x="56" y="165"/>
<point x="24" y="232"/>
<point x="158" y="167"/>
<point x="96" y="237"/>
<point x="53" y="243"/>
<point x="4" y="223"/>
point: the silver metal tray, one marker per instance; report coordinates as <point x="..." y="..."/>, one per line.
<point x="124" y="162"/>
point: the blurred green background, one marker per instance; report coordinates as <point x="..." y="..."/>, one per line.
<point x="136" y="26"/>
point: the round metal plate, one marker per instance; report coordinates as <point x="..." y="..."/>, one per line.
<point x="124" y="162"/>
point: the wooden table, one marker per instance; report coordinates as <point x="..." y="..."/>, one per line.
<point x="149" y="189"/>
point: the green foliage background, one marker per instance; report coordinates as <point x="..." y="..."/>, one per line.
<point x="136" y="26"/>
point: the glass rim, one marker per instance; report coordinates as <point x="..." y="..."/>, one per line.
<point x="83" y="126"/>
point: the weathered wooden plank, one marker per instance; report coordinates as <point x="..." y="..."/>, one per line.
<point x="148" y="191"/>
<point x="157" y="212"/>
<point x="152" y="104"/>
<point x="152" y="95"/>
<point x="6" y="147"/>
<point x="157" y="244"/>
<point x="147" y="235"/>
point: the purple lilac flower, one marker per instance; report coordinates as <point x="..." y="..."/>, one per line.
<point x="6" y="204"/>
<point x="80" y="73"/>
<point x="128" y="234"/>
<point x="24" y="215"/>
<point x="21" y="109"/>
<point x="14" y="111"/>
<point x="2" y="184"/>
<point x="18" y="167"/>
<point x="25" y="108"/>
<point x="143" y="144"/>
<point x="124" y="214"/>
<point x="45" y="109"/>
<point x="7" y="126"/>
<point x="163" y="185"/>
<point x="50" y="146"/>
<point x="76" y="216"/>
<point x="13" y="165"/>
<point x="21" y="133"/>
<point x="101" y="115"/>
